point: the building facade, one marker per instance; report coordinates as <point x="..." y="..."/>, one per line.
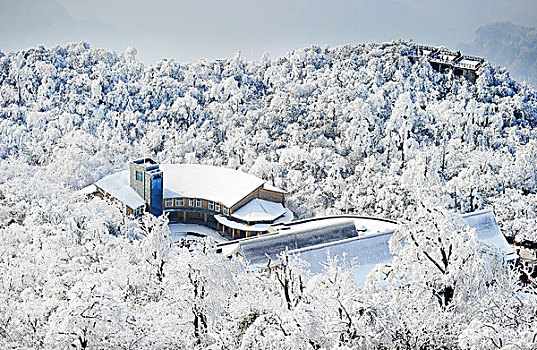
<point x="234" y="203"/>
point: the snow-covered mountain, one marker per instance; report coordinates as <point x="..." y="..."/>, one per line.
<point x="348" y="129"/>
<point x="509" y="45"/>
<point x="343" y="129"/>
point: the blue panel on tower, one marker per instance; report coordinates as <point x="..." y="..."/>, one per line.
<point x="156" y="194"/>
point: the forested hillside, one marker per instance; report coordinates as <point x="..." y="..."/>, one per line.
<point x="344" y="129"/>
<point x="349" y="129"/>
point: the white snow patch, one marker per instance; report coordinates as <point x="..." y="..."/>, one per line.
<point x="117" y="185"/>
<point x="287" y="216"/>
<point x="193" y="232"/>
<point x="269" y="187"/>
<point x="259" y="210"/>
<point x="221" y="185"/>
<point x="87" y="190"/>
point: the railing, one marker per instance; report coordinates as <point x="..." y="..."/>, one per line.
<point x="467" y="65"/>
<point x="437" y="55"/>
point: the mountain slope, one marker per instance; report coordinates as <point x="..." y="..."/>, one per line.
<point x="344" y="129"/>
<point x="355" y="129"/>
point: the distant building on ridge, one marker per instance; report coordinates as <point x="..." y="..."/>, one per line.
<point x="443" y="60"/>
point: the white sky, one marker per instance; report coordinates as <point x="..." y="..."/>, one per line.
<point x="190" y="30"/>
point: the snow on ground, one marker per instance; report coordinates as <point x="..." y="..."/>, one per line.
<point x="193" y="232"/>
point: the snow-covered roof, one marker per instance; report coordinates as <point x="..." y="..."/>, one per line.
<point x="258" y="251"/>
<point x="222" y="185"/>
<point x="259" y="210"/>
<point x="286" y="217"/>
<point x="87" y="190"/>
<point x="269" y="187"/>
<point x="117" y="185"/>
<point x="488" y="231"/>
<point x="363" y="240"/>
<point x="310" y="233"/>
<point x="193" y="232"/>
<point x="364" y="252"/>
<point x="366" y="225"/>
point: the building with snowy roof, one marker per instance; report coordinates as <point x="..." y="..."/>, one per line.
<point x="361" y="241"/>
<point x="443" y="60"/>
<point x="364" y="240"/>
<point x="234" y="203"/>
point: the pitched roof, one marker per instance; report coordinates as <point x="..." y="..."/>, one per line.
<point x="117" y="185"/>
<point x="222" y="185"/>
<point x="259" y="210"/>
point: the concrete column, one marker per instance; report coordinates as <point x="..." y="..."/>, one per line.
<point x="233" y="234"/>
<point x="184" y="216"/>
<point x="205" y="217"/>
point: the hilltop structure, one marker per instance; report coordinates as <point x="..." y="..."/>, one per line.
<point x="443" y="60"/>
<point x="234" y="203"/>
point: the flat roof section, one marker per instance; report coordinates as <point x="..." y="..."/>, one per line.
<point x="144" y="161"/>
<point x="269" y="187"/>
<point x="367" y="225"/>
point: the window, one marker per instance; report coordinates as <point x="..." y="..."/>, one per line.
<point x="211" y="205"/>
<point x="139" y="211"/>
<point x="168" y="203"/>
<point x="139" y="176"/>
<point x="179" y="202"/>
<point x="191" y="202"/>
<point x="217" y="207"/>
<point x="226" y="211"/>
<point x="198" y="203"/>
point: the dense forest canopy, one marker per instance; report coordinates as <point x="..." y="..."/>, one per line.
<point x="344" y="129"/>
<point x="347" y="129"/>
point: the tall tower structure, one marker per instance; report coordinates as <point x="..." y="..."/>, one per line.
<point x="146" y="179"/>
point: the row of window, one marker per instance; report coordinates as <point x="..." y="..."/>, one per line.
<point x="195" y="203"/>
<point x="139" y="211"/>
